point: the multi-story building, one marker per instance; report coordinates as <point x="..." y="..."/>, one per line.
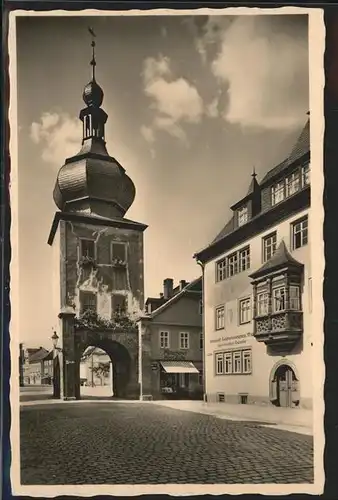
<point x="257" y="291"/>
<point x="37" y="366"/>
<point x="173" y="325"/>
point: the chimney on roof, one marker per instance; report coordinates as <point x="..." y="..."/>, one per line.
<point x="183" y="284"/>
<point x="168" y="287"/>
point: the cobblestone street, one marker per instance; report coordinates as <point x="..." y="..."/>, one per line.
<point x="121" y="443"/>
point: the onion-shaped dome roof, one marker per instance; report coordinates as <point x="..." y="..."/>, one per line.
<point x="93" y="94"/>
<point x="93" y="182"/>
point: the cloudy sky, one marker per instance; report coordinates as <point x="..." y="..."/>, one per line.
<point x="194" y="103"/>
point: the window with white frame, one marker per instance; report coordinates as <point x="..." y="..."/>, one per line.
<point x="164" y="340"/>
<point x="232" y="265"/>
<point x="219" y="364"/>
<point x="244" y="311"/>
<point x="227" y="363"/>
<point x="87" y="248"/>
<point x="292" y="184"/>
<point x="244" y="259"/>
<point x="246" y="362"/>
<point x="237" y="361"/>
<point x="262" y="303"/>
<point x="184" y="340"/>
<point x="278" y="192"/>
<point x="220" y="317"/>
<point x="305" y="175"/>
<point x="220" y="270"/>
<point x="294" y="298"/>
<point x="269" y="246"/>
<point x="243" y="215"/>
<point x="300" y="233"/>
<point x="278" y="299"/>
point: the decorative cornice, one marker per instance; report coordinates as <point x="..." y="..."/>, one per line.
<point x="93" y="220"/>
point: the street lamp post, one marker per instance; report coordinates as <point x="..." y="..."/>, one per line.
<point x="55" y="339"/>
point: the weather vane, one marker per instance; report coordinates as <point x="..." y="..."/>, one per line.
<point x="93" y="61"/>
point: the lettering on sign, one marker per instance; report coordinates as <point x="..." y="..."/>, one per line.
<point x="234" y="340"/>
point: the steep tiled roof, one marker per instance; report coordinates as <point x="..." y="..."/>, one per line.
<point x="38" y="355"/>
<point x="281" y="258"/>
<point x="301" y="147"/>
<point x="155" y="302"/>
<point x="227" y="229"/>
<point x="195" y="285"/>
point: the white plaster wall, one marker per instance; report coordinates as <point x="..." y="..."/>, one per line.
<point x="228" y="292"/>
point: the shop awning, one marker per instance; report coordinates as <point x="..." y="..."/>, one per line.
<point x="179" y="367"/>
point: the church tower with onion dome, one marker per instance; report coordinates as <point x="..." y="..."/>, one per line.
<point x="99" y="289"/>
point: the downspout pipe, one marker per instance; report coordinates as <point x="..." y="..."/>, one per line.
<point x="201" y="264"/>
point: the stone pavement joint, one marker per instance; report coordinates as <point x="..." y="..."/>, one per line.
<point x="145" y="443"/>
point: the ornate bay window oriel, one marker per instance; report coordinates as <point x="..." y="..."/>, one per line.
<point x="277" y="308"/>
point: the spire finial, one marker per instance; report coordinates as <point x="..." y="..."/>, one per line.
<point x="254" y="175"/>
<point x="93" y="61"/>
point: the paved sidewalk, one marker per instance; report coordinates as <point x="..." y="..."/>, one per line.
<point x="292" y="419"/>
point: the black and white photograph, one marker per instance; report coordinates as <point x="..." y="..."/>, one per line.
<point x="167" y="251"/>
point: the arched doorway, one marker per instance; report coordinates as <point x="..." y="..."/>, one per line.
<point x="96" y="374"/>
<point x="103" y="370"/>
<point x="284" y="386"/>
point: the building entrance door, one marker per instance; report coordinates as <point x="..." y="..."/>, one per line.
<point x="286" y="385"/>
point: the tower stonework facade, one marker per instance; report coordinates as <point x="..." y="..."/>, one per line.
<point x="100" y="254"/>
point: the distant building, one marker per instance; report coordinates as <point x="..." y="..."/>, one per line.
<point x="37" y="366"/>
<point x="95" y="368"/>
<point x="257" y="292"/>
<point x="172" y="327"/>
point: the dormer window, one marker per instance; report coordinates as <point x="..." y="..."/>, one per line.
<point x="292" y="184"/>
<point x="277" y="192"/>
<point x="306" y="174"/>
<point x="243" y="215"/>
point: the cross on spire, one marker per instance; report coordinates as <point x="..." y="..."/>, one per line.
<point x="254" y="175"/>
<point x="93" y="44"/>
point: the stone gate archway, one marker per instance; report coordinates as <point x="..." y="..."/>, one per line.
<point x="120" y="345"/>
<point x="121" y="363"/>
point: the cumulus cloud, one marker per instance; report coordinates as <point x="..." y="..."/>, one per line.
<point x="174" y="101"/>
<point x="212" y="108"/>
<point x="148" y="134"/>
<point x="58" y="135"/>
<point x="263" y="62"/>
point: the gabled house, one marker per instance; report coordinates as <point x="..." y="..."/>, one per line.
<point x="37" y="366"/>
<point x="257" y="291"/>
<point x="174" y="324"/>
